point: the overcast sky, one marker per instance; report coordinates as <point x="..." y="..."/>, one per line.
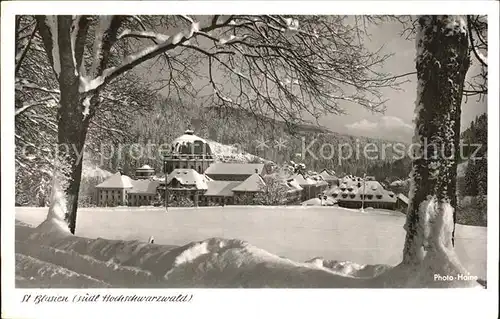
<point x="396" y="123"/>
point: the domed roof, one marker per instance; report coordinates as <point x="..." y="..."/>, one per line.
<point x="145" y="167"/>
<point x="188" y="143"/>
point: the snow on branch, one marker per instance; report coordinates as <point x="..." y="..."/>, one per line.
<point x="52" y="24"/>
<point x="102" y="27"/>
<point x="479" y="56"/>
<point x="129" y="62"/>
<point x="27" y="106"/>
<point x="22" y="53"/>
<point x="106" y="128"/>
<point x="144" y="35"/>
<point x="47" y="27"/>
<point x="22" y="84"/>
<point x="233" y="39"/>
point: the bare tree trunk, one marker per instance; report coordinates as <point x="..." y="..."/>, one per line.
<point x="73" y="122"/>
<point x="442" y="63"/>
<point x="72" y="131"/>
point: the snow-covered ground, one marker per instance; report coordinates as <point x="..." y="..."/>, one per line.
<point x="297" y="233"/>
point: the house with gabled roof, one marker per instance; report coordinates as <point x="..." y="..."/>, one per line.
<point x="113" y="191"/>
<point x="143" y="193"/>
<point x="185" y="182"/>
<point x="402" y="202"/>
<point x="248" y="188"/>
<point x="330" y="177"/>
<point x="356" y="193"/>
<point x="219" y="192"/>
<point x="234" y="171"/>
<point x="312" y="185"/>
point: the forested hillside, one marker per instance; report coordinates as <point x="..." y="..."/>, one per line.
<point x="315" y="146"/>
<point x="476" y="171"/>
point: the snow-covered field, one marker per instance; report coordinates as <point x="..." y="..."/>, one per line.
<point x="297" y="233"/>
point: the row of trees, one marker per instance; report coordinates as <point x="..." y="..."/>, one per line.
<point x="476" y="173"/>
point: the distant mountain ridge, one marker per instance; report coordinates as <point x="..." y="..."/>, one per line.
<point x="231" y="126"/>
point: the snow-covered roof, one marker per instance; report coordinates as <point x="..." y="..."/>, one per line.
<point x="319" y="180"/>
<point x="235" y="169"/>
<point x="145" y="167"/>
<point x="220" y="188"/>
<point x="188" y="143"/>
<point x="352" y="190"/>
<point x="251" y="184"/>
<point x="294" y="184"/>
<point x="189" y="177"/>
<point x="403" y="198"/>
<point x="116" y="180"/>
<point x="304" y="181"/>
<point x="327" y="175"/>
<point x="144" y="187"/>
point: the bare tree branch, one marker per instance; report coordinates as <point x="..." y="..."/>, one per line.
<point x="477" y="54"/>
<point x="21" y="55"/>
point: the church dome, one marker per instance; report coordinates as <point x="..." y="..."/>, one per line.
<point x="188" y="143"/>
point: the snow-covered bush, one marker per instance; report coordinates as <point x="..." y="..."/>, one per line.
<point x="273" y="191"/>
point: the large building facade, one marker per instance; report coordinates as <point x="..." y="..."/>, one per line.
<point x="356" y="192"/>
<point x="190" y="152"/>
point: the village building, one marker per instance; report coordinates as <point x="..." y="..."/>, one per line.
<point x="402" y="202"/>
<point x="186" y="183"/>
<point x="114" y="190"/>
<point x="245" y="192"/>
<point x="353" y="192"/>
<point x="234" y="171"/>
<point x="191" y="173"/>
<point x="144" y="172"/>
<point x="294" y="194"/>
<point x="311" y="186"/>
<point x="188" y="151"/>
<point x="330" y="177"/>
<point x="219" y="193"/>
<point x="143" y="193"/>
<point x="321" y="184"/>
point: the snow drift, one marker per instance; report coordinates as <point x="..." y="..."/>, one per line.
<point x="57" y="259"/>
